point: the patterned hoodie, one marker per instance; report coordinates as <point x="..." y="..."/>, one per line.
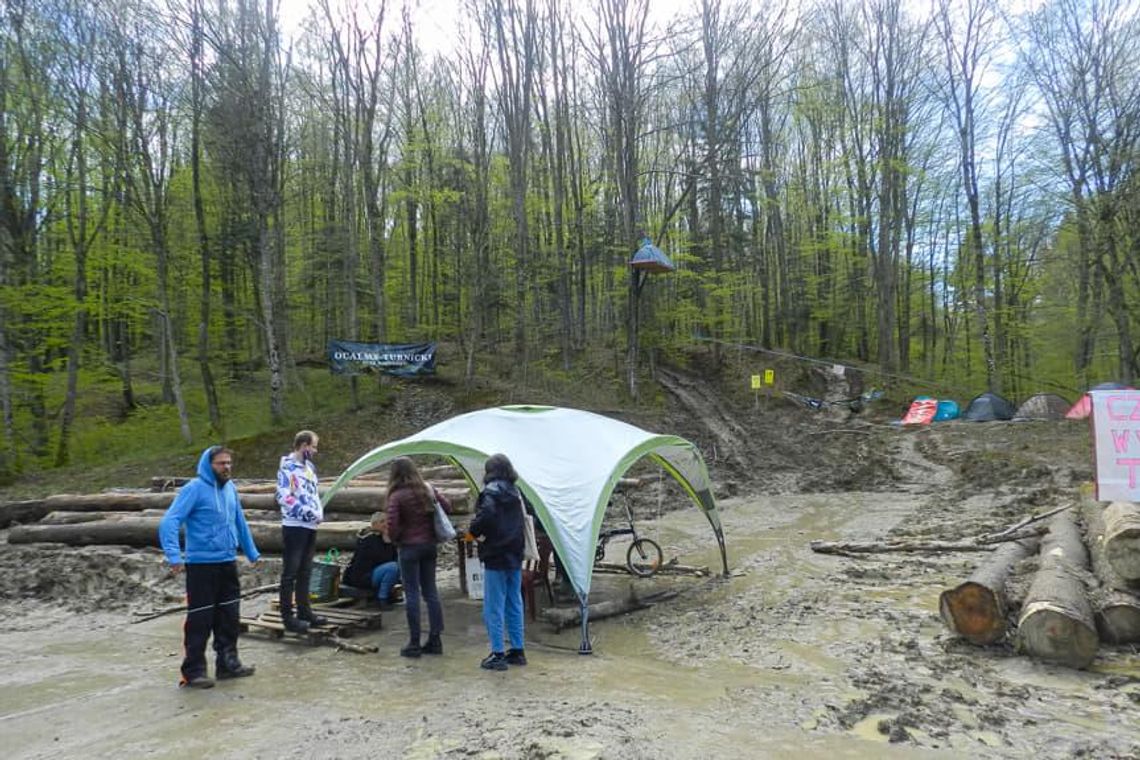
<point x="297" y="494"/>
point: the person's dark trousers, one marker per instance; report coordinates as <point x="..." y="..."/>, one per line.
<point x="213" y="603"/>
<point x="297" y="565"/>
<point x="417" y="568"/>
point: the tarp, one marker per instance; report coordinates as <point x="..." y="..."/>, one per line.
<point x="921" y="412"/>
<point x="988" y="406"/>
<point x="1083" y="408"/>
<point x="568" y="461"/>
<point x="1042" y="406"/>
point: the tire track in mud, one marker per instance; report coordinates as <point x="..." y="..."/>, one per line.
<point x="708" y="410"/>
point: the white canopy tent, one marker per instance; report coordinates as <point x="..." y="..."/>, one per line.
<point x="568" y="461"/>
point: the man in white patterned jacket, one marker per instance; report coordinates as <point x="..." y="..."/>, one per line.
<point x="301" y="513"/>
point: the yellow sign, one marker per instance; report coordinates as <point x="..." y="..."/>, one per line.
<point x="755" y="382"/>
<point x="769" y="377"/>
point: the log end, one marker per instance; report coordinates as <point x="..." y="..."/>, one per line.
<point x="1123" y="556"/>
<point x="974" y="612"/>
<point x="1118" y="624"/>
<point x="1055" y="636"/>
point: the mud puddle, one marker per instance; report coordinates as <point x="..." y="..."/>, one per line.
<point x="796" y="653"/>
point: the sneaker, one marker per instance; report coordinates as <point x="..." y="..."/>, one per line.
<point x="314" y="621"/>
<point x="516" y="657"/>
<point x="198" y="682"/>
<point x="411" y="650"/>
<point x="295" y="625"/>
<point x="494" y="661"/>
<point x="235" y="670"/>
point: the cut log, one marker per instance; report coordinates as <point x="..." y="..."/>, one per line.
<point x="984" y="542"/>
<point x="353" y="500"/>
<point x="930" y="547"/>
<point x="143" y="531"/>
<point x="976" y="609"/>
<point x="1116" y="603"/>
<point x="1122" y="539"/>
<point x="1056" y="623"/>
<point x="566" y="617"/>
<point x="669" y="568"/>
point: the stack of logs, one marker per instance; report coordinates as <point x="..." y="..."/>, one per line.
<point x="1068" y="610"/>
<point x="130" y="518"/>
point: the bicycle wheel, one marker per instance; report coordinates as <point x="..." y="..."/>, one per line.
<point x="644" y="557"/>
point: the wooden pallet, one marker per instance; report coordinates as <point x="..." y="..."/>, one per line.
<point x="347" y="619"/>
<point x="269" y="624"/>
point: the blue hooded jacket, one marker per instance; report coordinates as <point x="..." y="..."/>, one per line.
<point x="215" y="524"/>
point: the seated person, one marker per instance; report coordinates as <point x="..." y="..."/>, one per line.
<point x="374" y="563"/>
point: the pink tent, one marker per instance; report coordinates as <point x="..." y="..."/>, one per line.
<point x="1083" y="408"/>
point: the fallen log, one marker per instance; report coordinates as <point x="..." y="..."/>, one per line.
<point x="875" y="547"/>
<point x="1122" y="539"/>
<point x="984" y="542"/>
<point x="363" y="501"/>
<point x="143" y="531"/>
<point x="1116" y="603"/>
<point x="566" y="617"/>
<point x="1056" y="622"/>
<point x="668" y="568"/>
<point x="976" y="609"/>
<point x="353" y="485"/>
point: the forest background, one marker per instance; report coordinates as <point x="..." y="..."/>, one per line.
<point x="192" y="203"/>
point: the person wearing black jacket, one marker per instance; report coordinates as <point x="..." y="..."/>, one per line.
<point x="374" y="563"/>
<point x="498" y="527"/>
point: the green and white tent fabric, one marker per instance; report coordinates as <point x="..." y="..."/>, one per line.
<point x="568" y="461"/>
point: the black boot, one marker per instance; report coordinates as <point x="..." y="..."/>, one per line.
<point x="305" y="612"/>
<point x="229" y="666"/>
<point x="291" y="623"/>
<point x="433" y="645"/>
<point x="411" y="650"/>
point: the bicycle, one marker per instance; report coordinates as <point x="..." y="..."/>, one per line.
<point x="644" y="555"/>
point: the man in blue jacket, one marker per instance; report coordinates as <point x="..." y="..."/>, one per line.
<point x="215" y="526"/>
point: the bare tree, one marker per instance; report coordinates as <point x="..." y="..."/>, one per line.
<point x="967" y="32"/>
<point x="80" y="38"/>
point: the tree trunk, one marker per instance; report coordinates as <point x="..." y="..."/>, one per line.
<point x="212" y="406"/>
<point x="1056" y="621"/>
<point x="363" y="501"/>
<point x="1116" y="603"/>
<point x="976" y="609"/>
<point x="143" y="531"/>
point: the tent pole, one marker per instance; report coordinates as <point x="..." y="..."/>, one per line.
<point x="584" y="647"/>
<point x="718" y="531"/>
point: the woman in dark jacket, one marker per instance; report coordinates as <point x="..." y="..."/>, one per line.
<point x="411" y="527"/>
<point x="498" y="527"/>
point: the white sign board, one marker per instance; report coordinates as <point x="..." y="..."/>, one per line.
<point x="1116" y="444"/>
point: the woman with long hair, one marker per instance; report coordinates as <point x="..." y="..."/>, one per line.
<point x="498" y="526"/>
<point x="411" y="526"/>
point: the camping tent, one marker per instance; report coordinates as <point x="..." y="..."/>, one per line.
<point x="947" y="410"/>
<point x="1042" y="406"/>
<point x="988" y="406"/>
<point x="568" y="461"/>
<point x="1083" y="408"/>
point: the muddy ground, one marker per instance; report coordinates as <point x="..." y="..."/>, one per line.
<point x="820" y="656"/>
